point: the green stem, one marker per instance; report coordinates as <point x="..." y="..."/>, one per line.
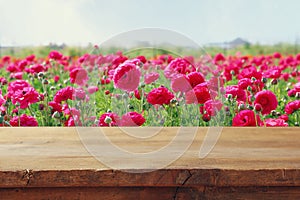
<point x="29" y="108"/>
<point x="142" y="101"/>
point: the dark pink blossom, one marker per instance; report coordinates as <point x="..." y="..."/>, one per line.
<point x="127" y="76"/>
<point x="246" y="118"/>
<point x="151" y="77"/>
<point x="78" y="76"/>
<point x="25" y="120"/>
<point x="64" y="94"/>
<point x="132" y="119"/>
<point x="160" y="96"/>
<point x="267" y="100"/>
<point x="275" y="122"/>
<point x="292" y="106"/>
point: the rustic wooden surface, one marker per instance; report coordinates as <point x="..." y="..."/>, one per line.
<point x="246" y="163"/>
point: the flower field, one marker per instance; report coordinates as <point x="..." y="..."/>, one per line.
<point x="165" y="90"/>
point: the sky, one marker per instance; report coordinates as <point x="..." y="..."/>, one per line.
<point x="79" y="22"/>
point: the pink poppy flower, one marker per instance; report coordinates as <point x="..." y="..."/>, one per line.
<point x="132" y="119"/>
<point x="250" y="72"/>
<point x="25" y="120"/>
<point x="15" y="86"/>
<point x="180" y="83"/>
<point x="55" y="106"/>
<point x="195" y="78"/>
<point x="2" y="100"/>
<point x="127" y="76"/>
<point x="137" y="94"/>
<point x="22" y="64"/>
<point x="160" y="96"/>
<point x="294" y="91"/>
<point x="142" y="59"/>
<point x="199" y="94"/>
<point x="267" y="100"/>
<point x="56" y="78"/>
<point x="219" y="58"/>
<point x="64" y="94"/>
<point x="55" y="55"/>
<point x="275" y="73"/>
<point x="72" y="121"/>
<point x="275" y="122"/>
<point x="277" y="55"/>
<point x="79" y="94"/>
<point x="25" y="97"/>
<point x="107" y="119"/>
<point x="244" y="83"/>
<point x="212" y="107"/>
<point x="79" y="76"/>
<point x="246" y="118"/>
<point x="37" y="68"/>
<point x="17" y="75"/>
<point x="92" y="89"/>
<point x="30" y="58"/>
<point x="237" y="93"/>
<point x="3" y="81"/>
<point x="118" y="60"/>
<point x="151" y="77"/>
<point x="284" y="117"/>
<point x="178" y="66"/>
<point x="292" y="107"/>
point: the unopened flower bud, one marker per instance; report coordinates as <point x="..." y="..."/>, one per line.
<point x="206" y="117"/>
<point x="264" y="80"/>
<point x="108" y="120"/>
<point x="130" y="107"/>
<point x="143" y="85"/>
<point x="45" y="81"/>
<point x="249" y="88"/>
<point x="41" y="106"/>
<point x="278" y="114"/>
<point x="109" y="111"/>
<point x="242" y="107"/>
<point x="257" y="107"/>
<point x="173" y="101"/>
<point x="250" y="107"/>
<point x="274" y="81"/>
<point x="41" y="74"/>
<point x="56" y="115"/>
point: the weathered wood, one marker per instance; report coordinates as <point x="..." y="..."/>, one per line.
<point x="245" y="163"/>
<point x="150" y="193"/>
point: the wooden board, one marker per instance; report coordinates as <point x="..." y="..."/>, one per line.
<point x="53" y="163"/>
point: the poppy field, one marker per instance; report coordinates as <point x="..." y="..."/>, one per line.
<point x="164" y="90"/>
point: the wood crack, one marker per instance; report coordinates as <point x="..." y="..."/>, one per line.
<point x="27" y="175"/>
<point x="183" y="183"/>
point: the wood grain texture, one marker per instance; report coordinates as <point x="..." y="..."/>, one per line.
<point x="244" y="162"/>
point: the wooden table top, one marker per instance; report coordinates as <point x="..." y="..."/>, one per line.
<point x="57" y="157"/>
